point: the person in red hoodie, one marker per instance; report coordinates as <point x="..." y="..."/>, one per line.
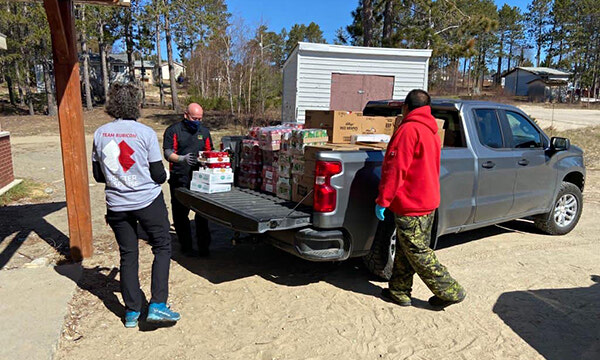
<point x="410" y="188"/>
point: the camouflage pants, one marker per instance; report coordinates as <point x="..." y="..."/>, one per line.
<point x="413" y="255"/>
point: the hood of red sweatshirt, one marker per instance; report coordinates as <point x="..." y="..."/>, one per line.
<point x="423" y="116"/>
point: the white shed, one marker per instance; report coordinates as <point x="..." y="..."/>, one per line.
<point x="336" y="77"/>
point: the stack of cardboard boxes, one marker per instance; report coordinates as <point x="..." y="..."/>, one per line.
<point x="281" y="159"/>
<point x="215" y="174"/>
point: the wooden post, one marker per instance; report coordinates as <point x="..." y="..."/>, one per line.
<point x="70" y="118"/>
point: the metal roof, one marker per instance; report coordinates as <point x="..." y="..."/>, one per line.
<point x="541" y="71"/>
<point x="343" y="49"/>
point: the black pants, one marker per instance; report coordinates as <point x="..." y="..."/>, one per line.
<point x="154" y="221"/>
<point x="181" y="221"/>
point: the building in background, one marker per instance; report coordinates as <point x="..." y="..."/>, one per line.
<point x="540" y="90"/>
<point x="336" y="77"/>
<point x="7" y="177"/>
<point x="178" y="68"/>
<point x="516" y="81"/>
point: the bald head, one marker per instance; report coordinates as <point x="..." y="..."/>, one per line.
<point x="194" y="112"/>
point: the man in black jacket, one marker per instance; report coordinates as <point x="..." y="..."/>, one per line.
<point x="182" y="143"/>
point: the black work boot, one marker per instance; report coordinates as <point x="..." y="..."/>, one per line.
<point x="440" y="303"/>
<point x="386" y="294"/>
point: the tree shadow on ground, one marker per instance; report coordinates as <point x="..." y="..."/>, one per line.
<point x="102" y="283"/>
<point x="252" y="256"/>
<point x="25" y="219"/>
<point x="558" y="323"/>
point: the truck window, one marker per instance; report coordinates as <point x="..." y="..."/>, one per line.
<point x="524" y="134"/>
<point x="454" y="136"/>
<point x="488" y="128"/>
<point x="373" y="110"/>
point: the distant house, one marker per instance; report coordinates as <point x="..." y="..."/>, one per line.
<point x="516" y="81"/>
<point x="119" y="70"/>
<point x="540" y="90"/>
<point x="178" y="68"/>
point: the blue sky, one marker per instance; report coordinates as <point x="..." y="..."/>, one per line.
<point x="330" y="15"/>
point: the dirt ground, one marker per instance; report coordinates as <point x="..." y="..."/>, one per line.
<point x="530" y="295"/>
<point x="562" y="118"/>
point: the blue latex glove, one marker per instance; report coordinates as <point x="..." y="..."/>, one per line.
<point x="379" y="210"/>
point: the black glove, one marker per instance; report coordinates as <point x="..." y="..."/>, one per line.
<point x="190" y="159"/>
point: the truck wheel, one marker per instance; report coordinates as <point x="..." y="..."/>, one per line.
<point x="380" y="260"/>
<point x="564" y="214"/>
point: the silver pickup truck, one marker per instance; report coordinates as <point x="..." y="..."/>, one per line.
<point x="496" y="165"/>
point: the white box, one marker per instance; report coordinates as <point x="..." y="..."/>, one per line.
<point x="217" y="170"/>
<point x="370" y="138"/>
<point x="213" y="178"/>
<point x="209" y="188"/>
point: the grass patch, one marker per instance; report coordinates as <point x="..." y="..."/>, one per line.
<point x="27" y="190"/>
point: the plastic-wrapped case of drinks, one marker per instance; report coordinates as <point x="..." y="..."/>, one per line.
<point x="215" y="174"/>
<point x="251" y="163"/>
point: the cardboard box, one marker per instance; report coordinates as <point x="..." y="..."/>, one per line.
<point x="441" y="130"/>
<point x="377" y="125"/>
<point x="213" y="178"/>
<point x="301" y="186"/>
<point x="341" y="125"/>
<point x="209" y="188"/>
<point x="310" y="152"/>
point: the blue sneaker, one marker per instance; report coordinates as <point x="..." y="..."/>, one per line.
<point x="160" y="313"/>
<point x="131" y="318"/>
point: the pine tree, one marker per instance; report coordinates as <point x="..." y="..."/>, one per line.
<point x="537" y="24"/>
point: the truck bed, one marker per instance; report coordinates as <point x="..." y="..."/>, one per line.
<point x="247" y="210"/>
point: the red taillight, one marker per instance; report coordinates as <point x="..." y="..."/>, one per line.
<point x="325" y="195"/>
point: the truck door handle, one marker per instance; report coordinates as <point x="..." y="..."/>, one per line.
<point x="523" y="162"/>
<point x="488" y="164"/>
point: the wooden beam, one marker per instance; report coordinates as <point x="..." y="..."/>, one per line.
<point x="59" y="45"/>
<point x="70" y="118"/>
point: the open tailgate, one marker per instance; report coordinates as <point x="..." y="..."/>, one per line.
<point x="246" y="210"/>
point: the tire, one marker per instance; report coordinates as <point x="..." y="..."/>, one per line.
<point x="565" y="213"/>
<point x="380" y="260"/>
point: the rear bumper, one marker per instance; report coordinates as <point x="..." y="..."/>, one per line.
<point x="312" y="244"/>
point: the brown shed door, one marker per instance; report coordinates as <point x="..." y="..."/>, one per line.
<point x="352" y="92"/>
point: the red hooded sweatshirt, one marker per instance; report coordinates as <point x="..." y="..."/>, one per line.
<point x="410" y="175"/>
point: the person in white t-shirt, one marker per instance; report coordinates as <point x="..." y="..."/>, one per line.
<point x="127" y="157"/>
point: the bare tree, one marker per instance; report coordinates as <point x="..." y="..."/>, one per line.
<point x="159" y="60"/>
<point x="174" y="99"/>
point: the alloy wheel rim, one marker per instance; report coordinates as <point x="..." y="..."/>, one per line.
<point x="392" y="252"/>
<point x="565" y="210"/>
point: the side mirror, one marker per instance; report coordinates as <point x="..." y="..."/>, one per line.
<point x="559" y="144"/>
